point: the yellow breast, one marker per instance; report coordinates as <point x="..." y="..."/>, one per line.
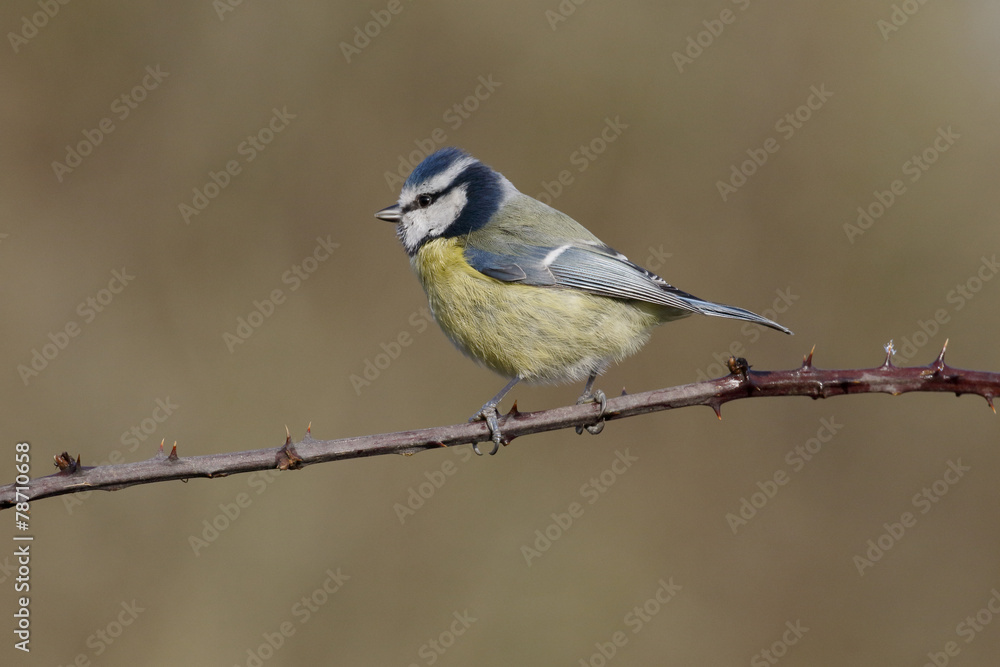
<point x="535" y="333"/>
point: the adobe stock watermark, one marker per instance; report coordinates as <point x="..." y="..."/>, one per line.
<point x="121" y="108"/>
<point x="797" y="459"/>
<point x="913" y="168"/>
<point x="249" y="149"/>
<point x="9" y="565"/>
<point x="131" y="440"/>
<point x="417" y="496"/>
<point x="88" y="310"/>
<point x="698" y="43"/>
<point x="22" y="551"/>
<point x="779" y="648"/>
<point x="784" y="299"/>
<point x="104" y="637"/>
<point x="301" y="612"/>
<point x="656" y="258"/>
<point x="454" y="117"/>
<point x="787" y="126"/>
<point x="363" y="34"/>
<point x="211" y="528"/>
<point x="373" y="367"/>
<point x="637" y="618"/>
<point x="30" y="25"/>
<point x="899" y="16"/>
<point x="967" y="630"/>
<point x="592" y="490"/>
<point x="264" y="308"/>
<point x="925" y="500"/>
<point x="582" y="158"/>
<point x="432" y="650"/>
<point x="561" y="12"/>
<point x="223" y="7"/>
<point x="955" y="300"/>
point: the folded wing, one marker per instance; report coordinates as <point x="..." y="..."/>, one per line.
<point x="597" y="269"/>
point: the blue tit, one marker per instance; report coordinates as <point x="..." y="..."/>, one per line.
<point x="524" y="289"/>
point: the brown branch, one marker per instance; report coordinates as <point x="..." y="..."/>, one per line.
<point x="741" y="383"/>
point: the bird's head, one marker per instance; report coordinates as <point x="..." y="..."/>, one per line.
<point x="449" y="194"/>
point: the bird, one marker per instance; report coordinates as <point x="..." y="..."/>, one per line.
<point x="524" y="289"/>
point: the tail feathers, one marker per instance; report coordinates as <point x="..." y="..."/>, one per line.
<point x="722" y="310"/>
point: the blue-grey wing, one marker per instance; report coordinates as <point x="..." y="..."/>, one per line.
<point x="597" y="269"/>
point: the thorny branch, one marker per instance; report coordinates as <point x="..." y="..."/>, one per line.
<point x="807" y="380"/>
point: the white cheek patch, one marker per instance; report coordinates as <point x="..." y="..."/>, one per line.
<point x="447" y="208"/>
<point x="424" y="223"/>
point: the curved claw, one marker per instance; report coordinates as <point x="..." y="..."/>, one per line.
<point x="595" y="397"/>
<point x="489" y="414"/>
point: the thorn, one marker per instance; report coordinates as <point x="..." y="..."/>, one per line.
<point x="989" y="402"/>
<point x="173" y="452"/>
<point x="939" y="364"/>
<point x="513" y="410"/>
<point x="288" y="435"/>
<point x="807" y="361"/>
<point x="889" y="351"/>
<point x="715" y="405"/>
<point x="159" y="452"/>
<point x="624" y="393"/>
<point x="309" y="429"/>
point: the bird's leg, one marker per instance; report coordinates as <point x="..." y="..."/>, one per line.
<point x="593" y="397"/>
<point x="489" y="413"/>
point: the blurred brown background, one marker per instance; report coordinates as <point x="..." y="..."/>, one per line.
<point x="122" y="579"/>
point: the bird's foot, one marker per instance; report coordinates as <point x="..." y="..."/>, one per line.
<point x="488" y="413"/>
<point x="595" y="397"/>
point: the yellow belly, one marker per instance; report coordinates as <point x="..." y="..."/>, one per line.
<point x="535" y="333"/>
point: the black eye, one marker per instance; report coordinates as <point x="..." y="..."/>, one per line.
<point x="425" y="200"/>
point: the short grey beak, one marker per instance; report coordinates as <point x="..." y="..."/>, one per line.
<point x="390" y="213"/>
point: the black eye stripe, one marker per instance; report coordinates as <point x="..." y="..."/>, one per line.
<point x="433" y="195"/>
<point x="415" y="204"/>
